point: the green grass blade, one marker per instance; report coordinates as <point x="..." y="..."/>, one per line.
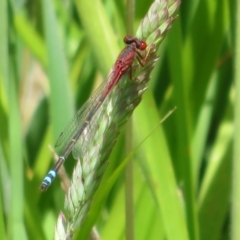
<point x="16" y="165"/>
<point x="184" y="130"/>
<point x="30" y="37"/>
<point x="216" y="187"/>
<point x="2" y="220"/>
<point x="235" y="218"/>
<point x="161" y="175"/>
<point x="99" y="33"/>
<point x="60" y="98"/>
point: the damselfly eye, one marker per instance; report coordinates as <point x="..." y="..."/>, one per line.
<point x="142" y="45"/>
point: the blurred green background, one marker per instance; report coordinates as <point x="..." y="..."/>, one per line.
<point x="54" y="54"/>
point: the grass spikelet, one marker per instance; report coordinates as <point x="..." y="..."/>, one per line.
<point x="100" y="135"/>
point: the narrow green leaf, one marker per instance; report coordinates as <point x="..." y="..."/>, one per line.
<point x="184" y="130"/>
<point x="30" y="37"/>
<point x="215" y="193"/>
<point x="235" y="218"/>
<point x="16" y="165"/>
<point x="100" y="33"/>
<point x="160" y="170"/>
<point x="60" y="98"/>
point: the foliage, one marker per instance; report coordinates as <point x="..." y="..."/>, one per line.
<point x="53" y="56"/>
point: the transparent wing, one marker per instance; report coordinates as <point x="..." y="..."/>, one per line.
<point x="75" y="125"/>
<point x="88" y="133"/>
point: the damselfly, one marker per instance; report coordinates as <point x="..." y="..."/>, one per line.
<point x="69" y="137"/>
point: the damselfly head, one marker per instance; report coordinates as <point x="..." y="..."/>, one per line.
<point x="140" y="44"/>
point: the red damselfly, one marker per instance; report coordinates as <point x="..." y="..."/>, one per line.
<point x="69" y="137"/>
